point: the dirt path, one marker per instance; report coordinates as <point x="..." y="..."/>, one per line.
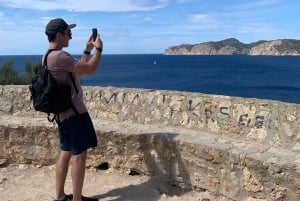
<point x="29" y="183"/>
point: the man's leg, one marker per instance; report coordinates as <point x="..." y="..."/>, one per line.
<point x="62" y="165"/>
<point x="78" y="172"/>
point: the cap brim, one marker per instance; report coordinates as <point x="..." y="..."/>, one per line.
<point x="71" y="26"/>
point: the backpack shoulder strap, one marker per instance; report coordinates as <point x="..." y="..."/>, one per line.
<point x="45" y="57"/>
<point x="73" y="81"/>
<point x="76" y="89"/>
<point x="56" y="116"/>
<point x="71" y="76"/>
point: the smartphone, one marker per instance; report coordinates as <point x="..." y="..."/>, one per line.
<point x="95" y="33"/>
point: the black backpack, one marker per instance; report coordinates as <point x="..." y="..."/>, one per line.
<point x="48" y="95"/>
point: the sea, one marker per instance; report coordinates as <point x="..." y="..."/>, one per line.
<point x="263" y="77"/>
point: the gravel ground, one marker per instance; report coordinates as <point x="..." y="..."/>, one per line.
<point x="30" y="183"/>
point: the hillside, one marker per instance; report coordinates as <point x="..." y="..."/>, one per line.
<point x="231" y="46"/>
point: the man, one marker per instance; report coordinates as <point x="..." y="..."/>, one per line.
<point x="76" y="131"/>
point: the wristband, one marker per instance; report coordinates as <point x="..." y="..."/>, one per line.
<point x="87" y="52"/>
<point x="99" y="49"/>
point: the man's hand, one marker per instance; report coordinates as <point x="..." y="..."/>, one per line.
<point x="89" y="44"/>
<point x="98" y="42"/>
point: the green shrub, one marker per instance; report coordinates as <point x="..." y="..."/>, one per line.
<point x="8" y="73"/>
<point x="30" y="70"/>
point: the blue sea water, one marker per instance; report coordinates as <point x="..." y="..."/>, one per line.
<point x="266" y="77"/>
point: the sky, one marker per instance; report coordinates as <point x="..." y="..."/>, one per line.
<point x="145" y="26"/>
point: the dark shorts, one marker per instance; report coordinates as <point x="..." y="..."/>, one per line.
<point x="77" y="134"/>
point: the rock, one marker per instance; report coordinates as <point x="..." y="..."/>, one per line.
<point x="2" y="179"/>
<point x="232" y="46"/>
<point x="3" y="162"/>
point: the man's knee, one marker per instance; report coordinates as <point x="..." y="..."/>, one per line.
<point x="65" y="155"/>
<point x="79" y="158"/>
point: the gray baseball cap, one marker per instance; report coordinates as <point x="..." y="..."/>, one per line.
<point x="56" y="25"/>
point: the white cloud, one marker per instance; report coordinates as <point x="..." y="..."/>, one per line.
<point x="267" y="2"/>
<point x="255" y="5"/>
<point x="148" y="18"/>
<point x="85" y="6"/>
<point x="184" y="1"/>
<point x="199" y="18"/>
<point x="202" y="21"/>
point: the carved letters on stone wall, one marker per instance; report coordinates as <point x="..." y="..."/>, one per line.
<point x="243" y="119"/>
<point x="192" y="107"/>
<point x="220" y="114"/>
<point x="113" y="97"/>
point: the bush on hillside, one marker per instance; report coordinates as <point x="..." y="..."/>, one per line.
<point x="9" y="74"/>
<point x="30" y="70"/>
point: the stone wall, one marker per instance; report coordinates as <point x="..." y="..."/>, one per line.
<point x="271" y="122"/>
<point x="240" y="149"/>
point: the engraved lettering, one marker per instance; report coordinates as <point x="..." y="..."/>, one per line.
<point x="112" y="98"/>
<point x="242" y="120"/>
<point x="123" y="98"/>
<point x="208" y="114"/>
<point x="136" y="97"/>
<point x="224" y="111"/>
<point x="259" y="121"/>
<point x="190" y="107"/>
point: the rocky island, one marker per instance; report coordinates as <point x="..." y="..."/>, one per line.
<point x="232" y="46"/>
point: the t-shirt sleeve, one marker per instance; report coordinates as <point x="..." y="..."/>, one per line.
<point x="66" y="62"/>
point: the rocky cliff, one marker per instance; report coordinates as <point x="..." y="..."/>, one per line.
<point x="231" y="46"/>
